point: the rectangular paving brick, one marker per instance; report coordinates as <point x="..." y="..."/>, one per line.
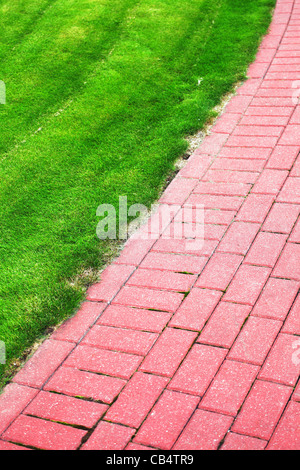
<point x="161" y="216"/>
<point x="148" y="298"/>
<point x="264" y="110"/>
<point x="287" y="436"/>
<point x="134" y="318"/>
<point x="249" y="87"/>
<point x="296" y="168"/>
<point x="275" y="92"/>
<point x="266" y="249"/>
<point x="167" y="419"/>
<point x="43" y="363"/>
<point x="132" y="446"/>
<point x="196" y="166"/>
<point x="197" y="231"/>
<point x="282" y="218"/>
<point x="196" y="309"/>
<point x="213" y="142"/>
<point x="265" y="120"/>
<point x="178" y="190"/>
<point x="258" y="130"/>
<point x="291" y="135"/>
<point x="255" y="340"/>
<point x="168" y="352"/>
<point x="112" y="279"/>
<point x="174" y="262"/>
<point x="229" y="388"/>
<point x="238" y="164"/>
<point x="222" y="188"/>
<point x="254" y="141"/>
<point x="278" y="84"/>
<point x="296" y="394"/>
<point x="295" y="236"/>
<point x="262" y="409"/>
<point x="74" y="328"/>
<point x="216" y="202"/>
<point x="136" y="399"/>
<point x="231" y="176"/>
<point x="292" y="324"/>
<point x="204" y="431"/>
<point x="245" y="152"/>
<point x="78" y="383"/>
<point x="266" y="55"/>
<point x="219" y="271"/>
<point x="200" y="247"/>
<point x="283" y="157"/>
<point x="227" y="122"/>
<point x="135" y="251"/>
<point x="270" y="181"/>
<point x="276" y="299"/>
<point x="13" y="400"/>
<point x="288" y="265"/>
<point x="109" y="436"/>
<point x="256" y="208"/>
<point x="282" y="365"/>
<point x="272" y="102"/>
<point x="64" y="409"/>
<point x="103" y="361"/>
<point x="247" y="284"/>
<point x="238" y="104"/>
<point x="43" y="434"/>
<point x="238" y="442"/>
<point x="211" y="216"/>
<point x="157" y="279"/>
<point x="238" y="238"/>
<point x="198" y="369"/>
<point x="119" y="339"/>
<point x="290" y="191"/>
<point x="225" y="324"/>
<point x="9" y="446"/>
<point x="295" y="119"/>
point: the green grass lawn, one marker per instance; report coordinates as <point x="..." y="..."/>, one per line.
<point x="100" y="95"/>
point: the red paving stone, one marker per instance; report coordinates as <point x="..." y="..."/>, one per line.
<point x="229" y="388"/>
<point x="255" y="340"/>
<point x="276" y="299"/>
<point x="187" y="343"/>
<point x="225" y="324"/>
<point x="42" y="434"/>
<point x="167" y="420"/>
<point x="77" y="383"/>
<point x="196" y="309"/>
<point x="69" y="410"/>
<point x="292" y="323"/>
<point x="262" y="409"/>
<point x="282" y="218"/>
<point x="239" y="442"/>
<point x="287" y="435"/>
<point x="205" y="431"/>
<point x="198" y="369"/>
<point x="109" y="436"/>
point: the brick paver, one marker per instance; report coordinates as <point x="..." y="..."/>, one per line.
<point x="188" y="343"/>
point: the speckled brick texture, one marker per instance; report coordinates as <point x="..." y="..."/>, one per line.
<point x="180" y="347"/>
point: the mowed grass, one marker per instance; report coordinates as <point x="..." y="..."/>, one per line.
<point x="100" y="95"/>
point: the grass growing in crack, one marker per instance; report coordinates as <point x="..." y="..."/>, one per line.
<point x="100" y="96"/>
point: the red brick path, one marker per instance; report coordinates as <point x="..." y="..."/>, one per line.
<point x="217" y="368"/>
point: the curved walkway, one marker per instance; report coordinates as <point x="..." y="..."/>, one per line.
<point x="192" y="348"/>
